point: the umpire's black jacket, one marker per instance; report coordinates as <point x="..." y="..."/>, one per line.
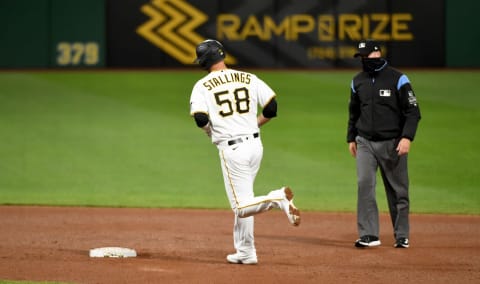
<point x="382" y="106"/>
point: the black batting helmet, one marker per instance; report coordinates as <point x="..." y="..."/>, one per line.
<point x="209" y="52"/>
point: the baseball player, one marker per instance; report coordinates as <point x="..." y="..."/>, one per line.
<point x="224" y="104"/>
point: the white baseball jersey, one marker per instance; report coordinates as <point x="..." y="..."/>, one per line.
<point x="230" y="98"/>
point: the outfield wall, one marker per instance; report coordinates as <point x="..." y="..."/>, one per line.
<point x="267" y="33"/>
<point x="52" y="33"/>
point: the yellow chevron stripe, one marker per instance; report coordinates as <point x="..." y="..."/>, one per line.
<point x="263" y="201"/>
<point x="174" y="33"/>
<point x="168" y="30"/>
<point x="196" y="21"/>
<point x="230" y="179"/>
<point x="147" y="31"/>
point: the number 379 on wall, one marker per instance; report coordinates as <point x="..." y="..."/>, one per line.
<point x="78" y="53"/>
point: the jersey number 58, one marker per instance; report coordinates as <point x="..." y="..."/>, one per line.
<point x="241" y="101"/>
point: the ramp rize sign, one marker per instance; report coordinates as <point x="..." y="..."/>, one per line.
<point x="280" y="33"/>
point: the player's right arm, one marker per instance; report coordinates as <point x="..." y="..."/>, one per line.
<point x="269" y="111"/>
<point x="353" y="114"/>
<point x="266" y="97"/>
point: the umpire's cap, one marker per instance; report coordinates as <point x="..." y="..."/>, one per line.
<point x="209" y="52"/>
<point x="365" y="47"/>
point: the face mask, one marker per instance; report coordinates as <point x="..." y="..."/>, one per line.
<point x="372" y="65"/>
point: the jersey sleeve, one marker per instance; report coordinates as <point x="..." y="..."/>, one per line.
<point x="409" y="106"/>
<point x="265" y="93"/>
<point x="197" y="101"/>
<point x="353" y="113"/>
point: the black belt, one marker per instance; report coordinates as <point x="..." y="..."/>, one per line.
<point x="240" y="140"/>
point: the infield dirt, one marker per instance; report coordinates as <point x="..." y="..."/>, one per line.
<point x="189" y="246"/>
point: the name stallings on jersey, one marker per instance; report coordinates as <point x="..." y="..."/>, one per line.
<point x="225" y="78"/>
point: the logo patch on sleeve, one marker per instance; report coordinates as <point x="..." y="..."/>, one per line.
<point x="412" y="99"/>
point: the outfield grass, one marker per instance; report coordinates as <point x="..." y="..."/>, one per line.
<point x="126" y="139"/>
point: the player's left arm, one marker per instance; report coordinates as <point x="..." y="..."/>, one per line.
<point x="409" y="107"/>
<point x="410" y="112"/>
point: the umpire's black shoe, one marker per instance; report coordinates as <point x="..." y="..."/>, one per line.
<point x="367" y="241"/>
<point x="402" y="243"/>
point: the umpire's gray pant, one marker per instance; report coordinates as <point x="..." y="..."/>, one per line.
<point x="372" y="155"/>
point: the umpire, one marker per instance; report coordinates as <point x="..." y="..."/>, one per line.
<point x="383" y="120"/>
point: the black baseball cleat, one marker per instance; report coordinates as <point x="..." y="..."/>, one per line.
<point x="367" y="241"/>
<point x="402" y="243"/>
